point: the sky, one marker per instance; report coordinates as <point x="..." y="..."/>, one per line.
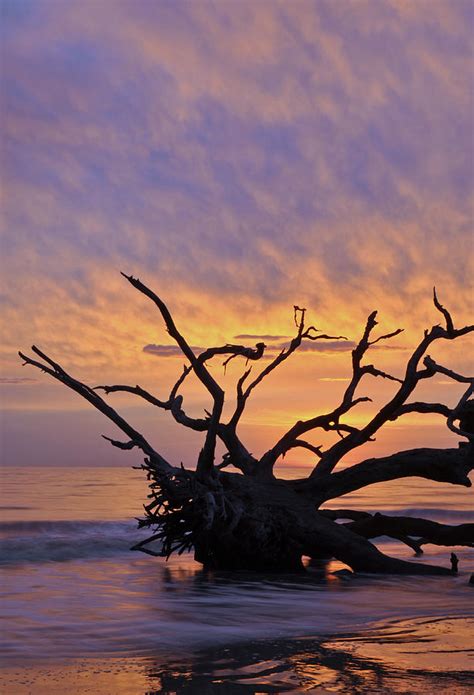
<point x="240" y="158"/>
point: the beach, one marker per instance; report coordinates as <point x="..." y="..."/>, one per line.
<point x="83" y="614"/>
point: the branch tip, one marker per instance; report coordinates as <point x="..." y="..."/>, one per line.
<point x="445" y="312"/>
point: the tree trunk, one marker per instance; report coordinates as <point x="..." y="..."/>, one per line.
<point x="246" y="524"/>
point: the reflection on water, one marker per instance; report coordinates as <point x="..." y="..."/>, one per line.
<point x="145" y="605"/>
<point x="338" y="665"/>
<point x="342" y="664"/>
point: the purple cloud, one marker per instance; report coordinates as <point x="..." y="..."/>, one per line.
<point x="167" y="350"/>
<point x="322" y="346"/>
<point x="16" y="380"/>
<point x="256" y="336"/>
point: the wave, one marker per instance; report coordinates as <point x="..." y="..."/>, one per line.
<point x="59" y="541"/>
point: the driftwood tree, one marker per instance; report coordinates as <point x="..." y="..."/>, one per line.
<point x="249" y="519"/>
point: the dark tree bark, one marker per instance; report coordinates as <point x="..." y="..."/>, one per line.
<point x="249" y="519"/>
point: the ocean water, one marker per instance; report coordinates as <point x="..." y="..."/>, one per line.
<point x="82" y="613"/>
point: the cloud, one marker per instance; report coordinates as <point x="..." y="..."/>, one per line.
<point x="387" y="346"/>
<point x="256" y="336"/>
<point x="323" y="346"/>
<point x="167" y="350"/>
<point x="16" y="380"/>
<point x="306" y="346"/>
<point x="240" y="158"/>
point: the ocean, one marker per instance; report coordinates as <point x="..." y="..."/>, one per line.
<point x="82" y="613"/>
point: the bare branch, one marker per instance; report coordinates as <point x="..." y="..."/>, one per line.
<point x="420" y="407"/>
<point x="57" y="367"/>
<point x="321" y="336"/>
<point x="234" y="351"/>
<point x="206" y="457"/>
<point x="433" y="367"/>
<point x="370" y="369"/>
<point x="170" y="325"/>
<point x="244" y="395"/>
<point x="241" y="458"/>
<point x="241" y="381"/>
<point x="186" y="370"/>
<point x="427" y="531"/>
<point x="440" y="409"/>
<point x="464" y="412"/>
<point x="442" y="465"/>
<point x="137" y="391"/>
<point x="197" y="424"/>
<point x="358" y="371"/>
<point x="361" y="399"/>
<point x="331" y="421"/>
<point x="58" y="373"/>
<point x="412" y="376"/>
<point x="445" y="312"/>
<point x="299" y="319"/>
<point x="173" y="404"/>
<point x="387" y="336"/>
<point x="120" y="445"/>
<point x="317" y="450"/>
<point x="328" y="422"/>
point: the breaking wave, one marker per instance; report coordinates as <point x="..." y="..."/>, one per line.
<point x="59" y="541"/>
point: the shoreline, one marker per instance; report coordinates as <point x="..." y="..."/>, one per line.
<point x="403" y="656"/>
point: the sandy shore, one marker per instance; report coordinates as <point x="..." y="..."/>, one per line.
<point x="404" y="657"/>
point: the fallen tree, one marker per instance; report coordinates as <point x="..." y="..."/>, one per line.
<point x="249" y="518"/>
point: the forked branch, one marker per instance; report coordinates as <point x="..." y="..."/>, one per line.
<point x="311" y="333"/>
<point x="136" y="439"/>
<point x="205" y="464"/>
<point x="396" y="405"/>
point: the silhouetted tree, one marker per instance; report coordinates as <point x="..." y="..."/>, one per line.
<point x="250" y="519"/>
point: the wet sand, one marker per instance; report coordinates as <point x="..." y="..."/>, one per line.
<point x="400" y="658"/>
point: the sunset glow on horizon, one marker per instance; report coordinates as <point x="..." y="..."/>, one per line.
<point x="239" y="158"/>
